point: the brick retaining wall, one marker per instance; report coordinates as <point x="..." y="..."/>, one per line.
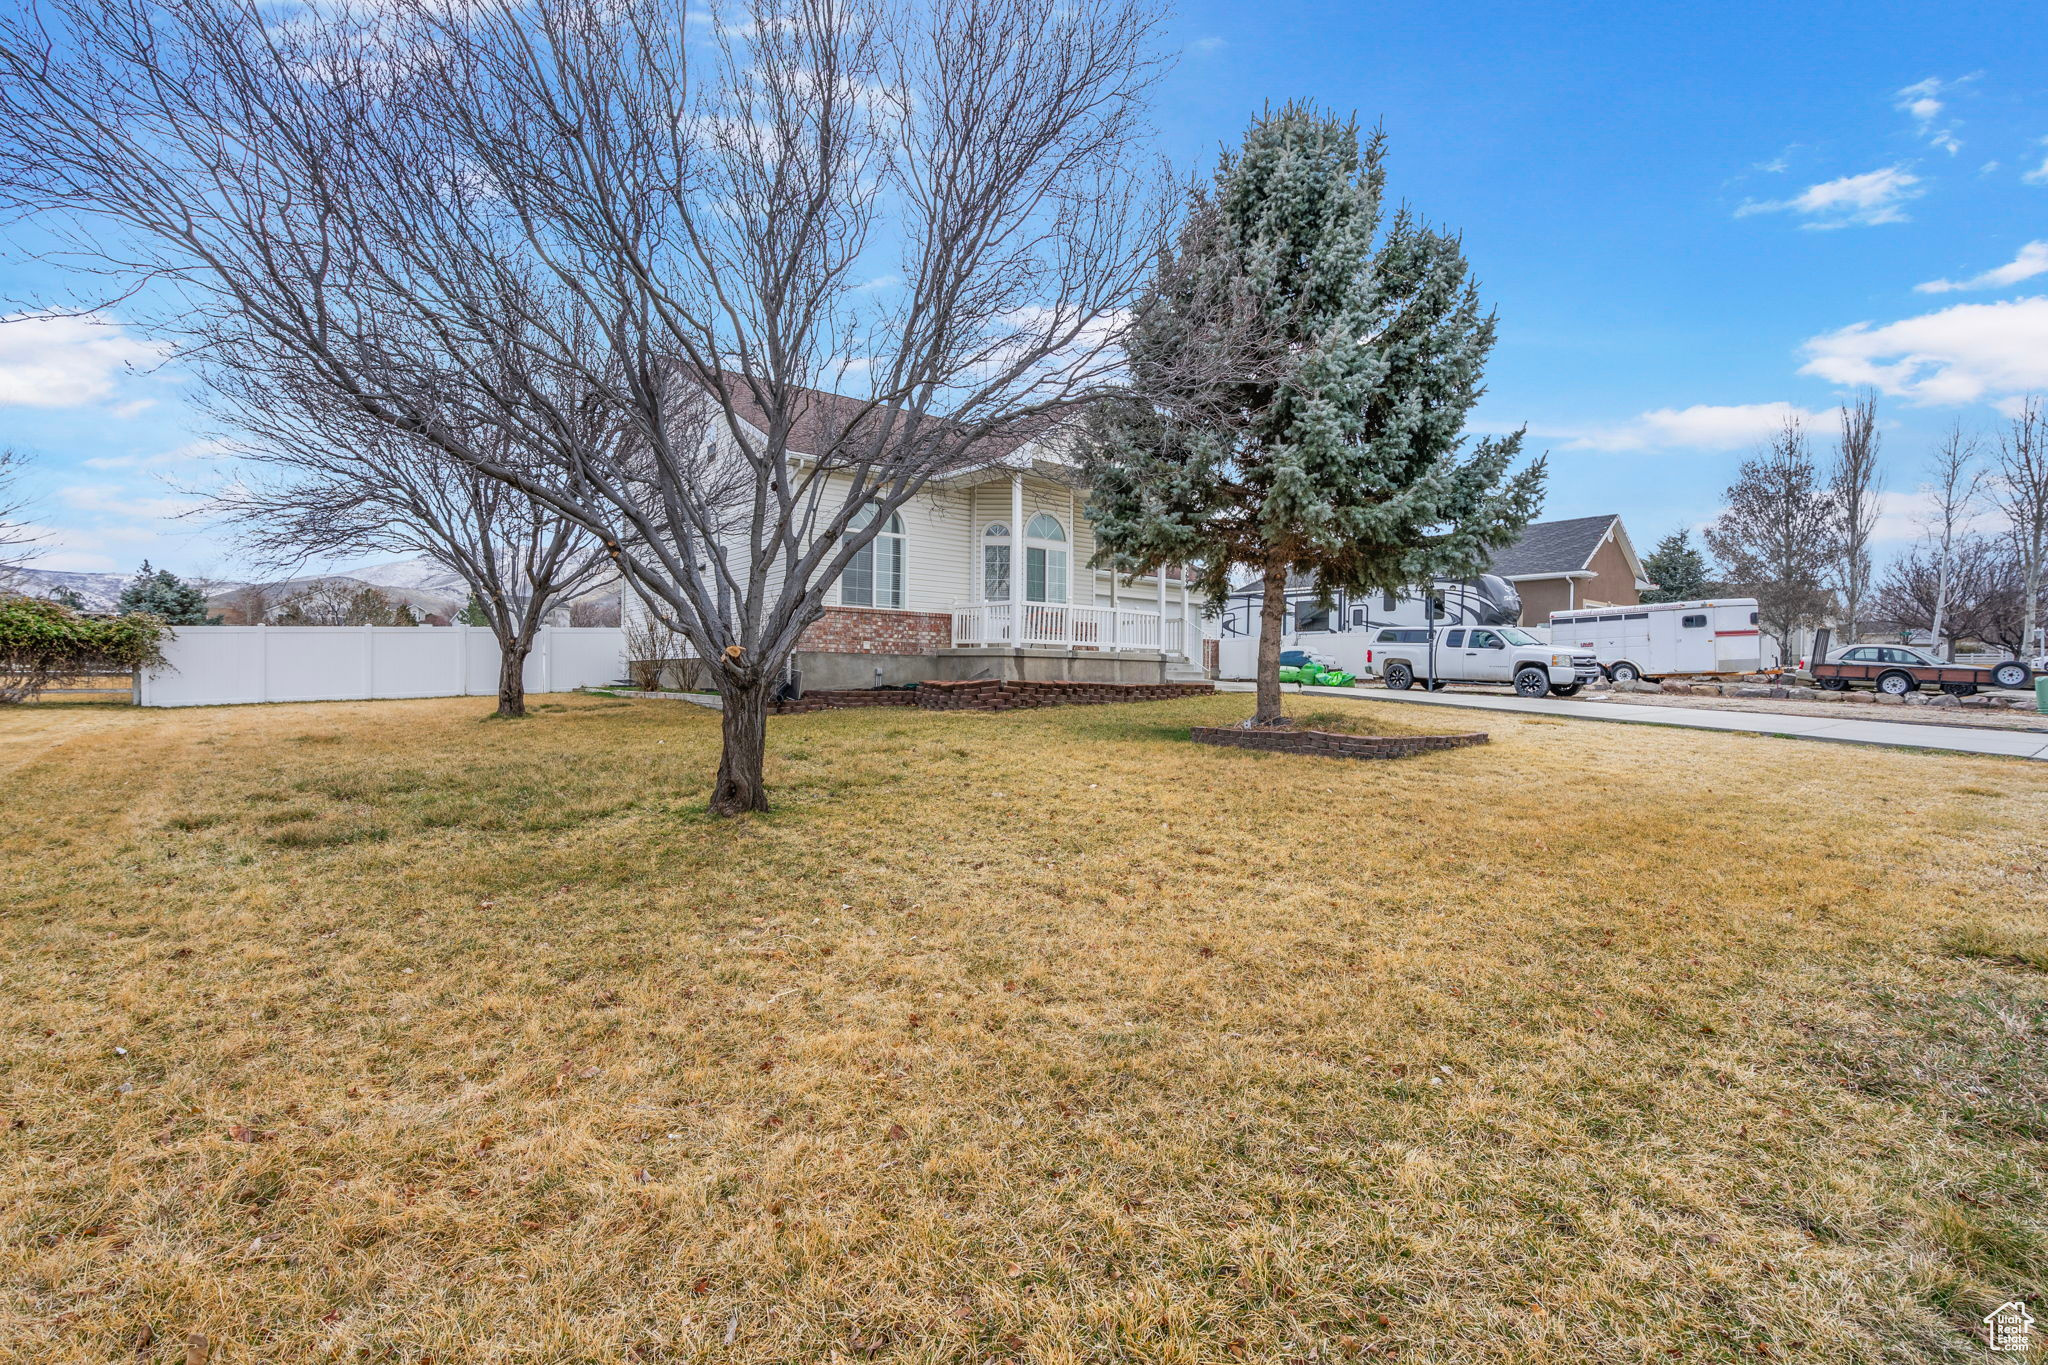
<point x="991" y="694"/>
<point x="1280" y="739"/>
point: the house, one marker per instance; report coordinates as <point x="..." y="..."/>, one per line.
<point x="986" y="573"/>
<point x="1555" y="566"/>
<point x="1566" y="565"/>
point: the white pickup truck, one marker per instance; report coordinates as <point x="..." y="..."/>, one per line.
<point x="1480" y="654"/>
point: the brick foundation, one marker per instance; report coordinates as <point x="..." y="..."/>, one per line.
<point x="1280" y="739"/>
<point x="866" y="630"/>
<point x="991" y="694"/>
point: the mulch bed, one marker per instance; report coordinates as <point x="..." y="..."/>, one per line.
<point x="1287" y="740"/>
<point x="991" y="694"/>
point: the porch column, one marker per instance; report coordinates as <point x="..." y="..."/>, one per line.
<point x="1017" y="560"/>
<point x="1190" y="643"/>
<point x="1159" y="576"/>
<point x="1115" y="633"/>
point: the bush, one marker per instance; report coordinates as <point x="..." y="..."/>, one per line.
<point x="41" y="641"/>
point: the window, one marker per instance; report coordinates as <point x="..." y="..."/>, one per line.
<point x="1358" y="616"/>
<point x="1752" y="618"/>
<point x="1903" y="656"/>
<point x="1404" y="636"/>
<point x="1455" y="640"/>
<point x="1387" y="602"/>
<point x="1637" y="616"/>
<point x="874" y="576"/>
<point x="1693" y="622"/>
<point x="1861" y="656"/>
<point x="1045" y="559"/>
<point x="1486" y="639"/>
<point x="1309" y="618"/>
<point x="1519" y="637"/>
<point x="995" y="563"/>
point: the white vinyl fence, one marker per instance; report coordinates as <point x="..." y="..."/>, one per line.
<point x="231" y="665"/>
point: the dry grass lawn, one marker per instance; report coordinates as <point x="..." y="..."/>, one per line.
<point x="378" y="1032"/>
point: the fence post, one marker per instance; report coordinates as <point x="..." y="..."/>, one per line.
<point x="369" y="663"/>
<point x="262" y="662"/>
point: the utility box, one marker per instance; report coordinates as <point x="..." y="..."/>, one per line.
<point x="2041" y="694"/>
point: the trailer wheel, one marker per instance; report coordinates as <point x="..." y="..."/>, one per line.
<point x="1833" y="684"/>
<point x="1531" y="682"/>
<point x="1624" y="672"/>
<point x="1960" y="689"/>
<point x="1399" y="677"/>
<point x="2011" y="673"/>
<point x="1896" y="684"/>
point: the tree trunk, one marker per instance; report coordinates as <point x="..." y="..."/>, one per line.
<point x="740" y="786"/>
<point x="512" y="677"/>
<point x="1272" y="611"/>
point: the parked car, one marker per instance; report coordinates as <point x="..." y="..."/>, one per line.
<point x="1898" y="670"/>
<point x="1481" y="654"/>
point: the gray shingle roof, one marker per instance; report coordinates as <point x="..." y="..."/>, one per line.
<point x="1550" y="547"/>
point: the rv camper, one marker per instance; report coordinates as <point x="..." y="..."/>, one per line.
<point x="1340" y="629"/>
<point x="1667" y="639"/>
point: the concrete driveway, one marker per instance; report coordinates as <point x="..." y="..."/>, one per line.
<point x="1832" y="727"/>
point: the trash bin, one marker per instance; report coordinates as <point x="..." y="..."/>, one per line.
<point x="2041" y="694"/>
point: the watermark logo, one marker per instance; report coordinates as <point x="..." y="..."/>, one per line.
<point x="2008" y="1327"/>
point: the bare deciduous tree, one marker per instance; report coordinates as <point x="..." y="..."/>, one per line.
<point x="470" y="222"/>
<point x="2021" y="490"/>
<point x="331" y="483"/>
<point x="1955" y="493"/>
<point x="1853" y="481"/>
<point x="16" y="542"/>
<point x="1777" y="537"/>
<point x="1969" y="592"/>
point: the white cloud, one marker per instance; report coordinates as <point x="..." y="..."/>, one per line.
<point x="116" y="500"/>
<point x="53" y="361"/>
<point x="1703" y="426"/>
<point x="1854" y="200"/>
<point x="1921" y="101"/>
<point x="2032" y="260"/>
<point x="1907" y="516"/>
<point x="125" y="411"/>
<point x="2039" y="175"/>
<point x="1205" y="45"/>
<point x="1967" y="353"/>
<point x="192" y="456"/>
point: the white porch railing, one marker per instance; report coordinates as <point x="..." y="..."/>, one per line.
<point x="1056" y="625"/>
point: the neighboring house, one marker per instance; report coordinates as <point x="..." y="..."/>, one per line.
<point x="1566" y="565"/>
<point x="986" y="574"/>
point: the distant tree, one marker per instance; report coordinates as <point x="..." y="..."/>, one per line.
<point x="160" y="592"/>
<point x="248" y="605"/>
<point x="473" y="613"/>
<point x="15" y="538"/>
<point x="594" y="611"/>
<point x="65" y="597"/>
<point x="1777" y="538"/>
<point x="1853" y="482"/>
<point x="1301" y="368"/>
<point x="1978" y="587"/>
<point x="1954" y="493"/>
<point x="335" y="603"/>
<point x="1679" y="570"/>
<point x="2021" y="490"/>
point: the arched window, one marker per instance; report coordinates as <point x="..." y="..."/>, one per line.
<point x="1045" y="559"/>
<point x="874" y="576"/>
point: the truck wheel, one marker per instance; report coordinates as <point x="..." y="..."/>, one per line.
<point x="1896" y="684"/>
<point x="1532" y="682"/>
<point x="1625" y="673"/>
<point x="2011" y="673"/>
<point x="1568" y="690"/>
<point x="1399" y="677"/>
<point x="1960" y="689"/>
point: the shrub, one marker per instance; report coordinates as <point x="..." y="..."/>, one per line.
<point x="41" y="641"/>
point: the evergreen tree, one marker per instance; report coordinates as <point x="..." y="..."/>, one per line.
<point x="1679" y="570"/>
<point x="473" y="613"/>
<point x="160" y="592"/>
<point x="66" y="597"/>
<point x="1301" y="367"/>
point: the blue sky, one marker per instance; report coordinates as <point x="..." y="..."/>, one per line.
<point x="1687" y="217"/>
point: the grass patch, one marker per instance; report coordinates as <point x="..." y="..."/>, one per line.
<point x="1043" y="1036"/>
<point x="2027" y="947"/>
